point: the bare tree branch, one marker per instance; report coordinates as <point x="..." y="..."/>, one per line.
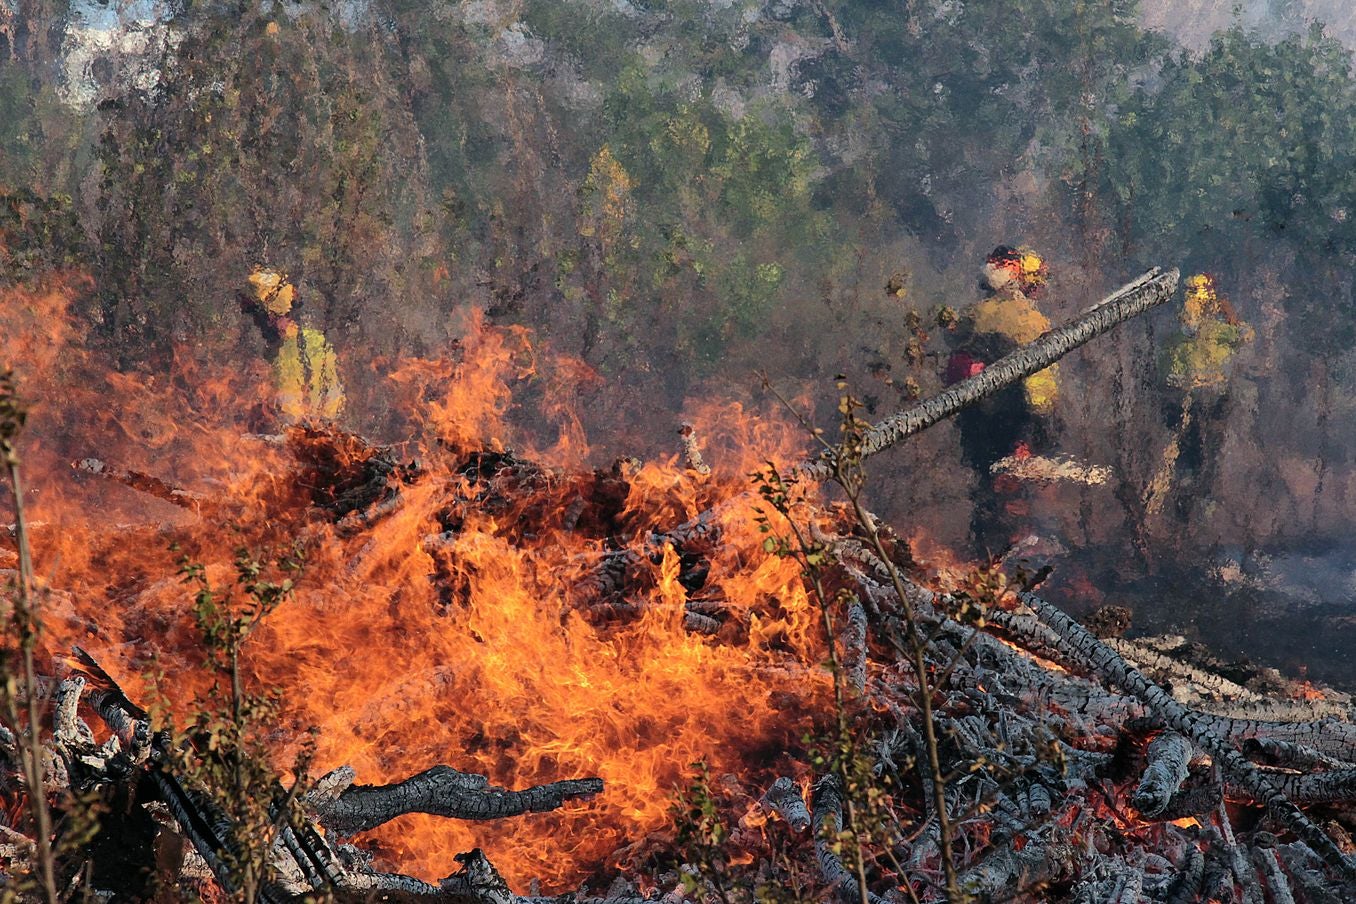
<point x="1134" y="298"/>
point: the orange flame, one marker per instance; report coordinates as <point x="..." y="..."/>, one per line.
<point x="413" y="640"/>
<point x="1307" y="691"/>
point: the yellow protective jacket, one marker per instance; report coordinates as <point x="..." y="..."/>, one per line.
<point x="1012" y="314"/>
<point x="1200" y="358"/>
<point x="307" y="372"/>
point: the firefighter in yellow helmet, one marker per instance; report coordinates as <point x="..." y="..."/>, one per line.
<point x="1013" y="278"/>
<point x="1198" y="362"/>
<point x="1211" y="333"/>
<point x="306" y="371"/>
<point x="1015" y="421"/>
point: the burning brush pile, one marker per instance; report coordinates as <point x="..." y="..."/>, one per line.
<point x="641" y="682"/>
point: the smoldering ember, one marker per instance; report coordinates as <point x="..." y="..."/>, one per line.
<point x="869" y="725"/>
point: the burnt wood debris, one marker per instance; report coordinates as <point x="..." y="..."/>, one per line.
<point x="1080" y="767"/>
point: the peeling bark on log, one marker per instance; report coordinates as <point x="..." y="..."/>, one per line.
<point x="128" y="722"/>
<point x="329" y="786"/>
<point x="479" y="880"/>
<point x="443" y="791"/>
<point x="67" y="729"/>
<point x="692" y="450"/>
<point x="314" y="869"/>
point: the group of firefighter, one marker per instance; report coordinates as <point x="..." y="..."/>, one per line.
<point x="1018" y="425"/>
<point x="1015" y="426"/>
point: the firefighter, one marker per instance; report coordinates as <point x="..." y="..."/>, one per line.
<point x="1012" y="278"/>
<point x="1197" y="362"/>
<point x="1019" y="419"/>
<point x="305" y="368"/>
<point x="1211" y="333"/>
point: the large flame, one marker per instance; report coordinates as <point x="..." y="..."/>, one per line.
<point x="451" y="630"/>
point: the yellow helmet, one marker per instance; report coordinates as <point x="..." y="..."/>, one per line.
<point x="1018" y="268"/>
<point x="272" y="290"/>
<point x="1201" y="298"/>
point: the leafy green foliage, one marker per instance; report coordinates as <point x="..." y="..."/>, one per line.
<point x="702" y="836"/>
<point x="278" y="140"/>
<point x="225" y="620"/>
<point x="37" y="235"/>
<point x="702" y="850"/>
<point x="403" y="162"/>
<point x="1251" y="140"/>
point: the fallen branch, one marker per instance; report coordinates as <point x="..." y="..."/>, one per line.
<point x="443" y="791"/>
<point x="828" y="826"/>
<point x="1134" y="298"/>
<point x="142" y="483"/>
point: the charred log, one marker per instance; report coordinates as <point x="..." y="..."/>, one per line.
<point x="1169" y="754"/>
<point x="443" y="791"/>
<point x="784" y="799"/>
<point x="828" y="823"/>
<point x="142" y="483"/>
<point x="1107" y="664"/>
<point x="1187" y="886"/>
